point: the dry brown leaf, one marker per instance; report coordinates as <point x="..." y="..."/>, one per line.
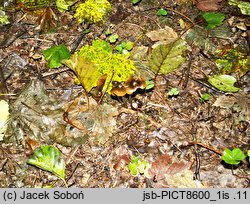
<point x="183" y="179"/>
<point x="162" y="36"/>
<point x="169" y="173"/>
<point x="40" y="117"/>
<point x="208" y="5"/>
<point x="160" y="166"/>
<point x="239" y="102"/>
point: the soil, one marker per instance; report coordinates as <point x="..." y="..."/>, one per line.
<point x="181" y="137"/>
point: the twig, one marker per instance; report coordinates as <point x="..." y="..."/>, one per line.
<point x="56" y="72"/>
<point x="187" y="71"/>
<point x="206" y="147"/>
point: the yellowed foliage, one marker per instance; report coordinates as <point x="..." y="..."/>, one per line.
<point x="85" y="70"/>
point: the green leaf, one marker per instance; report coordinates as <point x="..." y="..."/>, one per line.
<point x="113" y="38"/>
<point x="3" y="18"/>
<point x="162" y="12"/>
<point x="233" y="61"/>
<point x="213" y="19"/>
<point x="107" y="32"/>
<point x="133" y="165"/>
<point x="63" y="5"/>
<point x="167" y="58"/>
<point x="133" y="169"/>
<point x="85" y="70"/>
<point x="233" y="157"/>
<point x="124" y="46"/>
<point x="135" y="1"/>
<point x="244" y="6"/>
<point x="173" y="92"/>
<point x="127" y="45"/>
<point x="149" y="84"/>
<point x="55" y="55"/>
<point x="137" y="166"/>
<point x="223" y="83"/>
<point x="205" y="97"/>
<point x="48" y="158"/>
<point x="119" y="48"/>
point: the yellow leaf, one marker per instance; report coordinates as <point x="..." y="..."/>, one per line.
<point x="4" y="107"/>
<point x="85" y="70"/>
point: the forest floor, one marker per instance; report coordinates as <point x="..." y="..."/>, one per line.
<point x="181" y="138"/>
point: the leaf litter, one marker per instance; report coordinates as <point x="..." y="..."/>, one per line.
<point x="96" y="139"/>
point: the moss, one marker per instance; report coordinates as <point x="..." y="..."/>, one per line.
<point x="117" y="66"/>
<point x="93" y="11"/>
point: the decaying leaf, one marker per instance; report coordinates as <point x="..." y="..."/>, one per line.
<point x="162" y="36"/>
<point x="183" y="179"/>
<point x="239" y="102"/>
<point x="104" y="122"/>
<point x="209" y="5"/>
<point x="198" y="37"/>
<point x="167" y="58"/>
<point x="97" y="120"/>
<point x="139" y="55"/>
<point x="171" y="174"/>
<point x="40" y="117"/>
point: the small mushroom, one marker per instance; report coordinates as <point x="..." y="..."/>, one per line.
<point x="118" y="89"/>
<point x="133" y="84"/>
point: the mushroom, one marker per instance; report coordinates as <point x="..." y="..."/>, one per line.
<point x="118" y="89"/>
<point x="133" y="84"/>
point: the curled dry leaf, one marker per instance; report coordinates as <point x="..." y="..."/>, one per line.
<point x="208" y="5"/>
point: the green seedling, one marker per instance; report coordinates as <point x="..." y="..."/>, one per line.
<point x="55" y="55"/>
<point x="48" y="158"/>
<point x="233" y="157"/>
<point x="213" y="19"/>
<point x="137" y="166"/>
<point x="124" y="47"/>
<point x="173" y="92"/>
<point x="108" y="32"/>
<point x="149" y="84"/>
<point x="162" y="12"/>
<point x="113" y="38"/>
<point x="4" y="20"/>
<point x="205" y="97"/>
<point x="86" y="31"/>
